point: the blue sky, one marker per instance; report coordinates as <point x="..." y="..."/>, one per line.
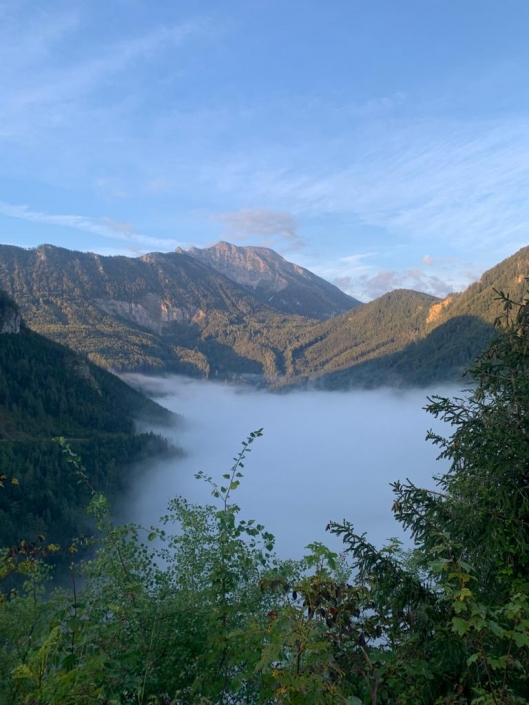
<point x="380" y="144"/>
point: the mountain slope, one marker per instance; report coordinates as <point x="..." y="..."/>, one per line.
<point x="374" y="330"/>
<point x="47" y="390"/>
<point x="479" y="299"/>
<point x="275" y="281"/>
<point x="405" y="338"/>
<point x="153" y="313"/>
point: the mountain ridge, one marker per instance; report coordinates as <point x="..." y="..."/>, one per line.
<point x="170" y="312"/>
<point x="274" y="280"/>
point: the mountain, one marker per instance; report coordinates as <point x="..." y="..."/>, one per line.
<point x="159" y="312"/>
<point x="47" y="390"/>
<point x="178" y="312"/>
<point x="405" y="338"/>
<point x="278" y="283"/>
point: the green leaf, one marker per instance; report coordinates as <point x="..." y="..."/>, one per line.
<point x="460" y="626"/>
<point x="521" y="639"/>
<point x="496" y="629"/>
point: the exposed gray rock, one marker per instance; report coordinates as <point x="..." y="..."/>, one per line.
<point x="151" y="313"/>
<point x="282" y="284"/>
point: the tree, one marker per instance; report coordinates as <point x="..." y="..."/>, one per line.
<point x="463" y="591"/>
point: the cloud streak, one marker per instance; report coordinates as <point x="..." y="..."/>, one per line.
<point x="61" y="90"/>
<point x="463" y="181"/>
<point x="105" y="227"/>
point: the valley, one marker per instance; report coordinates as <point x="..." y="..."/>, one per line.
<point x="323" y="456"/>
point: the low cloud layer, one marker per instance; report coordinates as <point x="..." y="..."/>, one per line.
<point x="370" y="286"/>
<point x="324" y="456"/>
<point x="415" y="279"/>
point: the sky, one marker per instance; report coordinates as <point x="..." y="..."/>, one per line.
<point x="380" y="144"/>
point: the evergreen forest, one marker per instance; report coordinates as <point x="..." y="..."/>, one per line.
<point x="47" y="390"/>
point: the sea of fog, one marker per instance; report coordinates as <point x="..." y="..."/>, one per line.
<point x="323" y="456"/>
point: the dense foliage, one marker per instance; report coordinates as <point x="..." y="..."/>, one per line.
<point x="199" y="611"/>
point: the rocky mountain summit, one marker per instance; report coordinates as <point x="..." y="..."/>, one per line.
<point x="275" y="281"/>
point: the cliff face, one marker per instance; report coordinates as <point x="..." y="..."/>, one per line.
<point x="152" y="312"/>
<point x="275" y="281"/>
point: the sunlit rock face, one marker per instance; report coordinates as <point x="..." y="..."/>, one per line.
<point x="252" y="267"/>
<point x="152" y="312"/>
<point x="282" y="284"/>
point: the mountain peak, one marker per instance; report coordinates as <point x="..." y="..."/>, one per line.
<point x="276" y="281"/>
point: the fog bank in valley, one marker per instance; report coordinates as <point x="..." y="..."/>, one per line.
<point x="323" y="456"/>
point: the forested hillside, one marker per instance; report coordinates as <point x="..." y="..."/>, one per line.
<point x="47" y="390"/>
<point x="407" y="338"/>
<point x="368" y="332"/>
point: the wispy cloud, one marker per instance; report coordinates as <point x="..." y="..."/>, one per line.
<point x="158" y="186"/>
<point x="115" y="58"/>
<point x="109" y="189"/>
<point x="60" y="89"/>
<point x="104" y="227"/>
<point x="271" y="227"/>
<point x="463" y="181"/>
